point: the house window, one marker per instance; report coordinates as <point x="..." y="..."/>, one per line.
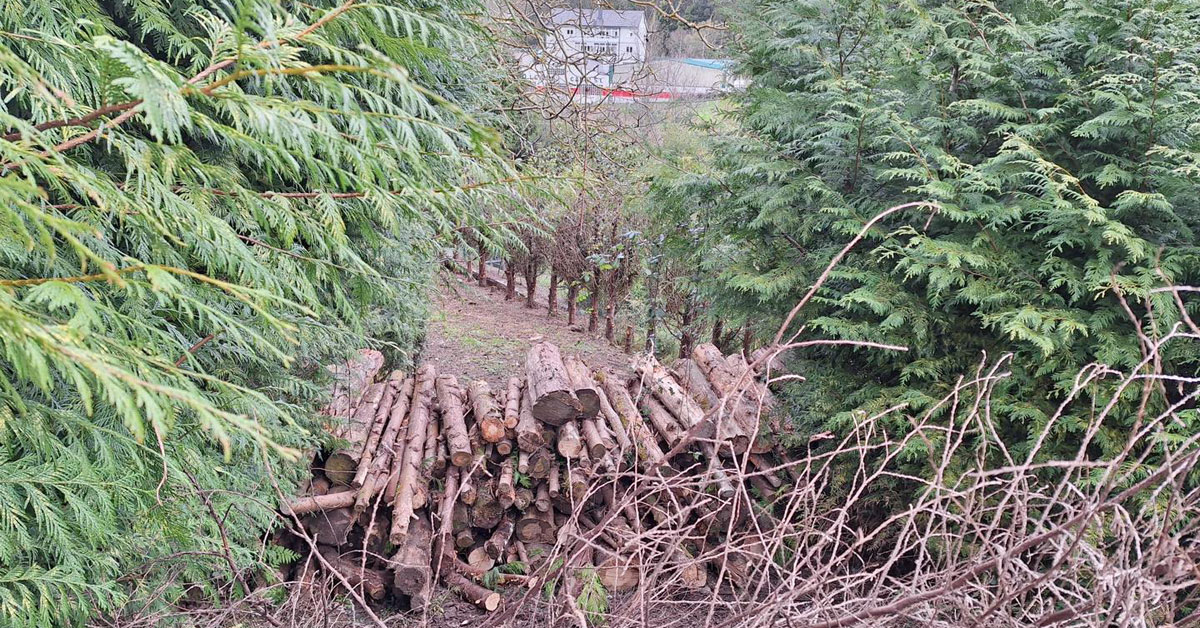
<point x="570" y="31"/>
<point x="628" y="48"/>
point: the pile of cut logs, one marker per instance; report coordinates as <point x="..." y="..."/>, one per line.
<point x="440" y="480"/>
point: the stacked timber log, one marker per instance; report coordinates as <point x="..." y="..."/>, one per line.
<point x="431" y="479"/>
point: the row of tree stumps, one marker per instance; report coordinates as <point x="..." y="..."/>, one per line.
<point x="439" y="480"/>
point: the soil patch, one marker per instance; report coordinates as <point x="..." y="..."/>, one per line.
<point x="476" y="334"/>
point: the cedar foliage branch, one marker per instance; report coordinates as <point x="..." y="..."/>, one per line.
<point x="1058" y="140"/>
<point x="199" y="205"/>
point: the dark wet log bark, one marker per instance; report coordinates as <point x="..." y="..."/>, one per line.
<point x="411" y="571"/>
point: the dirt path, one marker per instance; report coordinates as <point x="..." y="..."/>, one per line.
<point x="476" y="334"/>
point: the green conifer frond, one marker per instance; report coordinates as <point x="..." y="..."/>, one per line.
<point x="199" y="206"/>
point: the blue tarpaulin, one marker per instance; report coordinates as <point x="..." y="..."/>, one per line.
<point x="712" y="64"/>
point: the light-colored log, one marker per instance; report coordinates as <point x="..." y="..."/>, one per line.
<point x="350" y="381"/>
<point x="681" y="405"/>
<point x="454" y="425"/>
<point x="553" y="399"/>
<point x="569" y="443"/>
<point x="583" y="385"/>
<point x="644" y="442"/>
<point x="498" y="542"/>
<point x="411" y="490"/>
<point x="316" y="503"/>
<point x="488" y="415"/>
<point x="342" y="464"/>
<point x="512" y="403"/>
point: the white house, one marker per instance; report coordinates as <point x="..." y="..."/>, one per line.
<point x="592" y="48"/>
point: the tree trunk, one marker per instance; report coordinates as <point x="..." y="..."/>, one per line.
<point x="747" y="340"/>
<point x="486" y="512"/>
<point x="481" y="276"/>
<point x="552" y="296"/>
<point x="610" y="315"/>
<point x="529" y="429"/>
<point x="552" y="398"/>
<point x="664" y="423"/>
<point x="540" y="461"/>
<point x="595" y="442"/>
<point x="512" y="403"/>
<point x="681" y="405"/>
<point x="531" y="274"/>
<point x="572" y="302"/>
<point x="379" y="469"/>
<point x="569" y="442"/>
<point x="367" y="462"/>
<point x="686" y="339"/>
<point x="652" y="291"/>
<point x="627" y="346"/>
<point x="498" y="542"/>
<point x="510" y="281"/>
<point x="400" y="415"/>
<point x="330" y="527"/>
<point x="370" y="581"/>
<point x="718" y="331"/>
<point x="614" y="421"/>
<point x="483" y="598"/>
<point x="342" y="465"/>
<point x="317" y="503"/>
<point x="351" y="380"/>
<point x="506" y="489"/>
<point x="597" y="298"/>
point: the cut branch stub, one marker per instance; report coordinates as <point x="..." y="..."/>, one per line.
<point x="550" y="391"/>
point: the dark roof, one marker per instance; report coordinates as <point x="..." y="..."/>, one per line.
<point x="598" y="18"/>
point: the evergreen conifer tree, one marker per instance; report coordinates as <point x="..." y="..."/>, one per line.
<point x="1059" y="141"/>
<point x="200" y="205"/>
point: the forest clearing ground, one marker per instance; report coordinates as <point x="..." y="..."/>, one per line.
<point x="474" y="333"/>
